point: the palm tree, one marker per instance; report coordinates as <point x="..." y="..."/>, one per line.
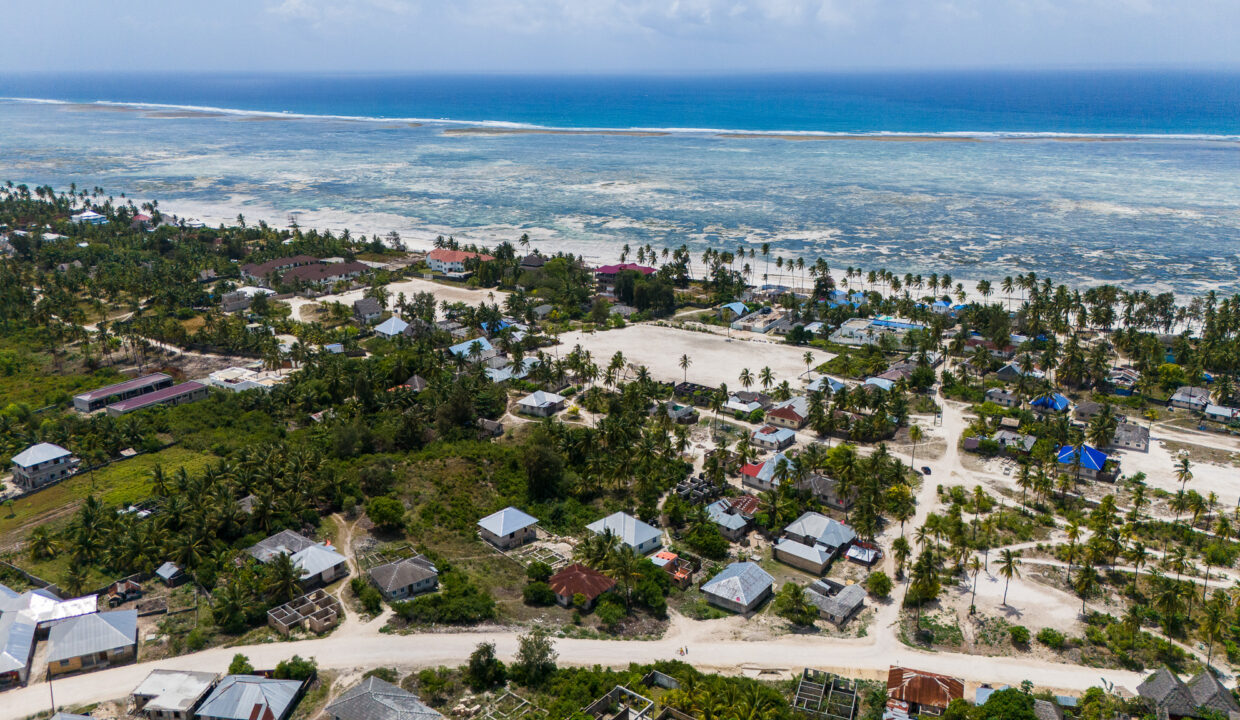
<point x="915" y="435"/>
<point x="975" y="567"/>
<point x="1009" y="567"/>
<point x="767" y="378"/>
<point x="1183" y="472"/>
<point x="1214" y="621"/>
<point x="746" y="378"/>
<point x="808" y="358"/>
<point x="283" y="578"/>
<point x="685" y="362"/>
<point x="1087" y="583"/>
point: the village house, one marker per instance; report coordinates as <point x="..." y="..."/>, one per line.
<point x="1131" y="436"/>
<point x="732" y="525"/>
<point x="88" y="217"/>
<point x="1123" y="379"/>
<point x="826" y="490"/>
<point x="41" y="464"/>
<point x="251" y="697"/>
<point x="100" y="398"/>
<point x="813" y="541"/>
<point x="170" y="574"/>
<point x="1092" y="461"/>
<point x="836" y="602"/>
<point x="641" y="537"/>
<point x="1171" y="698"/>
<point x="392" y="327"/>
<point x="577" y="579"/>
<point x="773" y="438"/>
<point x="367" y="311"/>
<point x="93" y="641"/>
<point x="376" y="699"/>
<point x="740" y="587"/>
<point x="792" y="413"/>
<point x="475" y="350"/>
<point x="1190" y="398"/>
<point x="17" y="640"/>
<point x="541" y="404"/>
<point x="452" y="262"/>
<point x="1220" y="413"/>
<point x="508" y="528"/>
<point x="917" y="692"/>
<point x="404" y="578"/>
<point x="319" y="563"/>
<point x="171" y="694"/>
<point x="762" y="476"/>
<point x="1002" y="398"/>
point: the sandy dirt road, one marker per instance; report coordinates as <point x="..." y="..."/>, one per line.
<point x="780" y="657"/>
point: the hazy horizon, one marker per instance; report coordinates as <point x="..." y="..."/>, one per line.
<point x="621" y="36"/>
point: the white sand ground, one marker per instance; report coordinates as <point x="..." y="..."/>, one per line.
<point x="1159" y="468"/>
<point x="715" y="358"/>
<point x="409" y="288"/>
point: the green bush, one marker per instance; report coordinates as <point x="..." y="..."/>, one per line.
<point x="538" y="571"/>
<point x="240" y="665"/>
<point x="538" y="593"/>
<point x="878" y="584"/>
<point x="459" y="603"/>
<point x="387" y="513"/>
<point x="610" y="611"/>
<point x="196" y="640"/>
<point x="1051" y="638"/>
<point x="1020" y="634"/>
<point x="296" y="668"/>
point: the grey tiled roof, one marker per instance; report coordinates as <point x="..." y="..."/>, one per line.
<point x="376" y="699"/>
<point x="285" y="541"/>
<point x="824" y="530"/>
<point x="402" y="573"/>
<point x="95" y="633"/>
<point x="841" y="604"/>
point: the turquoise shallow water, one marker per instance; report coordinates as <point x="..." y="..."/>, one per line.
<point x="1158" y="208"/>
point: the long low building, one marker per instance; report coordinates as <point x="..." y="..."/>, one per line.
<point x="99" y="398"/>
<point x="186" y="392"/>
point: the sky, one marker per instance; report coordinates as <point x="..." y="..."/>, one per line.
<point x="604" y="36"/>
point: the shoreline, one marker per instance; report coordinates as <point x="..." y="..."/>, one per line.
<point x="421" y="237"/>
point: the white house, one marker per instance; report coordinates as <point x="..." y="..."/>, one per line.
<point x="643" y="538"/>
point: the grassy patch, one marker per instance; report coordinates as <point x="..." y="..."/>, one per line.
<point x="122" y="482"/>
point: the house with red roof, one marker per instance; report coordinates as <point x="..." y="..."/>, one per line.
<point x="452" y="261"/>
<point x="577" y="579"/>
<point x="606" y="275"/>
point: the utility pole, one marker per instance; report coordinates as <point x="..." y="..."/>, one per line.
<point x="49" y="689"/>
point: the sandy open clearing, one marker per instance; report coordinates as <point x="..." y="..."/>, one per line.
<point x="1159" y="468"/>
<point x="715" y="358"/>
<point x="451" y="293"/>
<point x="1029" y="603"/>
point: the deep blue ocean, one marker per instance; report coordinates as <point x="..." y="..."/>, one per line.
<point x="1123" y="177"/>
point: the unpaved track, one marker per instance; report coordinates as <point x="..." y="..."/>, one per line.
<point x="366" y="647"/>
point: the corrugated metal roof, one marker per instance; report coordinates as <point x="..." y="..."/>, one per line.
<point x="16" y="643"/>
<point x="506" y="521"/>
<point x="35" y="454"/>
<point x="824" y="530"/>
<point x="122" y="387"/>
<point x="316" y="559"/>
<point x="95" y="633"/>
<point x="244" y="697"/>
<point x="630" y="530"/>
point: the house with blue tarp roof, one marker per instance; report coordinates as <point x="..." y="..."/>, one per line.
<point x="733" y="310"/>
<point x="1052" y="402"/>
<point x="1092" y="460"/>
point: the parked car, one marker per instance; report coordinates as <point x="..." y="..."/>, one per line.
<point x="925" y="469"/>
